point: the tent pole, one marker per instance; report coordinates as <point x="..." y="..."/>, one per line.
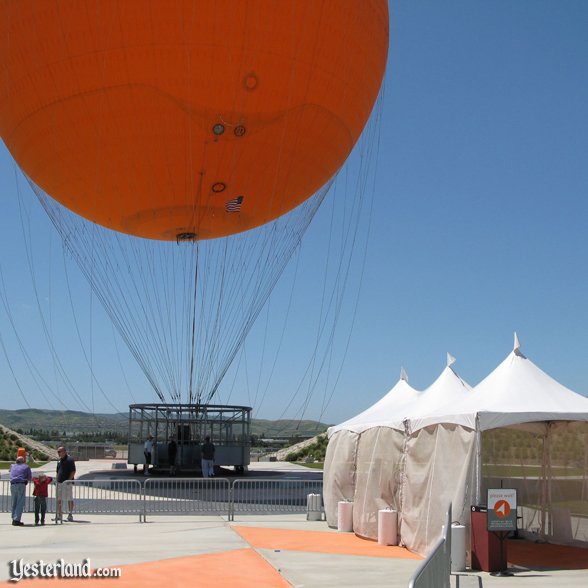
<point x="478" y="466"/>
<point x="544" y="481"/>
<point x="549" y="478"/>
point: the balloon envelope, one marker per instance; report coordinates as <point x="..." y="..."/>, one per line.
<point x="187" y="119"/>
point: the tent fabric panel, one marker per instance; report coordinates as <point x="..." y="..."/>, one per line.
<point x="439" y="469"/>
<point x="379" y="462"/>
<point x="339" y="472"/>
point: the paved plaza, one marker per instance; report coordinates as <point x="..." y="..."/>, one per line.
<point x="258" y="550"/>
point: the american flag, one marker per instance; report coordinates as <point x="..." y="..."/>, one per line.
<point x="234" y="205"/>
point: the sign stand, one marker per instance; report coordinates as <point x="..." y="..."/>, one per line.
<point x="502" y="535"/>
<point x="502" y="519"/>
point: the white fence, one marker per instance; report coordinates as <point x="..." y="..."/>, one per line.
<point x="178" y="496"/>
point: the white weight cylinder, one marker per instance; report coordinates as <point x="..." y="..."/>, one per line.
<point x="387" y="527"/>
<point x="345" y="517"/>
<point x="313" y="507"/>
<point x="458" y="547"/>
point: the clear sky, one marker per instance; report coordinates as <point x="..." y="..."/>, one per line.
<point x="479" y="227"/>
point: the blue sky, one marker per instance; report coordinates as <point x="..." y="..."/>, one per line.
<point x="478" y="228"/>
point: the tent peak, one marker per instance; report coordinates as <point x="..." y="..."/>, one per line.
<point x="450" y="360"/>
<point x="517" y="346"/>
<point x="403" y="374"/>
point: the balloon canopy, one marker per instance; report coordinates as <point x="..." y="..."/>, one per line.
<point x="187" y="120"/>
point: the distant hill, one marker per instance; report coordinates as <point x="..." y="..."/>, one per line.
<point x="72" y="421"/>
<point x="62" y="420"/>
<point x="286" y="428"/>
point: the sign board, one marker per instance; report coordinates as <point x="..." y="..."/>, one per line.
<point x="502" y="509"/>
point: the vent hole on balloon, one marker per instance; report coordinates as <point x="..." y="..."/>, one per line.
<point x="181" y="237"/>
<point x="250" y="82"/>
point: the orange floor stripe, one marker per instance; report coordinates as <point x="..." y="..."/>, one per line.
<point x="547" y="555"/>
<point x="240" y="568"/>
<point x="319" y="542"/>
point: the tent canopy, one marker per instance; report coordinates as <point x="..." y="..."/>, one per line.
<point x="388" y="409"/>
<point x="403" y="402"/>
<point x="516" y="392"/>
<point x="447" y="390"/>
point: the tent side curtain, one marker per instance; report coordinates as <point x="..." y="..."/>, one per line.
<point x="439" y="469"/>
<point x="378" y="477"/>
<point x="339" y="472"/>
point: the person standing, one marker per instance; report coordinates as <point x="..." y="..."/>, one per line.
<point x="172" y="452"/>
<point x="66" y="470"/>
<point x="207" y="454"/>
<point x="40" y="493"/>
<point x="20" y="476"/>
<point x="147" y="452"/>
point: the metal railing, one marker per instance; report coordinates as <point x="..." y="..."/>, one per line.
<point x="104" y="496"/>
<point x="186" y="496"/>
<point x="435" y="571"/>
<point x="6" y="498"/>
<point x="272" y="496"/>
<point x="177" y="496"/>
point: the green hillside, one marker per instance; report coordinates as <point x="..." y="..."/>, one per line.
<point x="76" y="422"/>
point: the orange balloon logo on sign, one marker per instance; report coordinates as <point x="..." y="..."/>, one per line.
<point x="502" y="509"/>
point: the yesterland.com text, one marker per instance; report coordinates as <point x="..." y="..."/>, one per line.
<point x="19" y="570"/>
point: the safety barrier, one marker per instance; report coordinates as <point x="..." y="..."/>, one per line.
<point x="178" y="496"/>
<point x="103" y="496"/>
<point x="6" y="498"/>
<point x="186" y="496"/>
<point x="272" y="496"/>
<point x="435" y="571"/>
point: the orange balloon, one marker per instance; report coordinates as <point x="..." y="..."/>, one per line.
<point x="187" y="119"/>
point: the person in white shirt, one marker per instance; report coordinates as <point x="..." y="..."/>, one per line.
<point x="147" y="451"/>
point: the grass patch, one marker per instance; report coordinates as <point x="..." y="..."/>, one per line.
<point x="312" y="466"/>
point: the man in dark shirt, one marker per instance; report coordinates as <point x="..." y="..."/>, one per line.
<point x="207" y="454"/>
<point x="66" y="470"/>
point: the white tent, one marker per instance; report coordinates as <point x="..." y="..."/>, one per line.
<point x="453" y="443"/>
<point x="365" y="458"/>
<point x="525" y="425"/>
<point x="341" y="458"/>
<point x="434" y="462"/>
